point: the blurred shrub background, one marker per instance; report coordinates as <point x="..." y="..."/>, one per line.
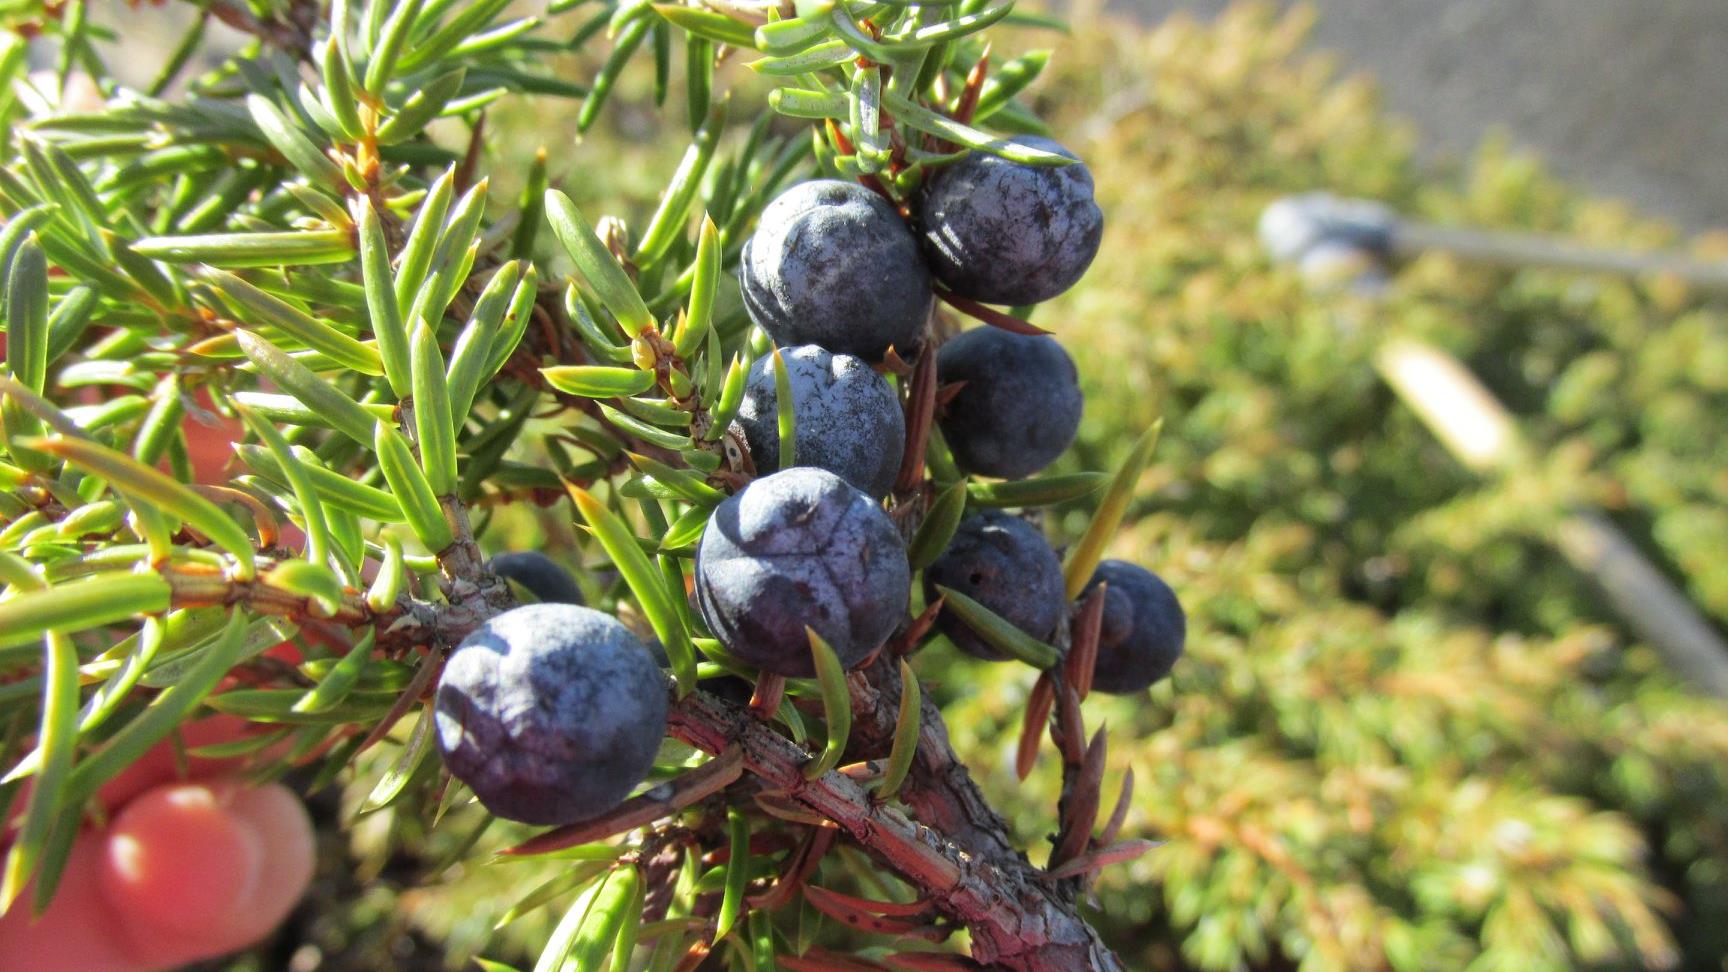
<point x="1406" y="735"/>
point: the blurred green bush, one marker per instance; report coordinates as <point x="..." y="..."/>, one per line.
<point x="1406" y="735"/>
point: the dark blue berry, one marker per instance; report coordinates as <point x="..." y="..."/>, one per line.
<point x="1005" y="564"/>
<point x="1020" y="406"/>
<point x="1006" y="233"/>
<point x="1143" y="630"/>
<point x="539" y="574"/>
<point x="832" y="263"/>
<point x="551" y="713"/>
<point x="797" y="548"/>
<point x="849" y="421"/>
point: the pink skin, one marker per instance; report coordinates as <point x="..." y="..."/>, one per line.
<point x="186" y="869"/>
<point x="192" y="864"/>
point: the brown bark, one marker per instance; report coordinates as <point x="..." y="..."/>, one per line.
<point x="939" y="790"/>
<point x="1018" y="917"/>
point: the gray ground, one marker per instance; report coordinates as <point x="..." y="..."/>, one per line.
<point x="1627" y="97"/>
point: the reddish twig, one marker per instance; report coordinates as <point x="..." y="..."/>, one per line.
<point x="422" y="681"/>
<point x="471" y="156"/>
<point x="1079" y="807"/>
<point x="817" y="842"/>
<point x="869" y="917"/>
<point x="1119" y="816"/>
<point x="818" y="960"/>
<point x="920" y="413"/>
<point x="291" y="38"/>
<point x="1032" y="728"/>
<point x="770" y="689"/>
<point x="989" y="315"/>
<point x="933" y="962"/>
<point x="845" y="146"/>
<point x="1085" y="864"/>
<point x="1068" y="732"/>
<point x="968" y="105"/>
<point x="906" y="640"/>
<point x="1082" y="660"/>
<point x="946" y="394"/>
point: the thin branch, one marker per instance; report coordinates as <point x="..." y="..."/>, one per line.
<point x="409" y="624"/>
<point x="939" y="789"/>
<point x="868" y="917"/>
<point x="422" y="682"/>
<point x="1018" y="919"/>
<point x="920" y="413"/>
<point x="1036" y="717"/>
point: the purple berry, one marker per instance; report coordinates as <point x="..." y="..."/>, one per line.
<point x="832" y="263"/>
<point x="1020" y="406"/>
<point x="1143" y="630"/>
<point x="1005" y="564"/>
<point x="799" y="548"/>
<point x="539" y="574"/>
<point x="849" y="421"/>
<point x="551" y="713"/>
<point x="1006" y="233"/>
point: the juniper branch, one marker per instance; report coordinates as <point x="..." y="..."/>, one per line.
<point x="1019" y="919"/>
<point x="955" y="848"/>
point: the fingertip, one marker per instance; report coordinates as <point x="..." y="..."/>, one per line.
<point x="76" y="932"/>
<point x="194" y="870"/>
<point x="178" y="859"/>
<point x="284" y="830"/>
